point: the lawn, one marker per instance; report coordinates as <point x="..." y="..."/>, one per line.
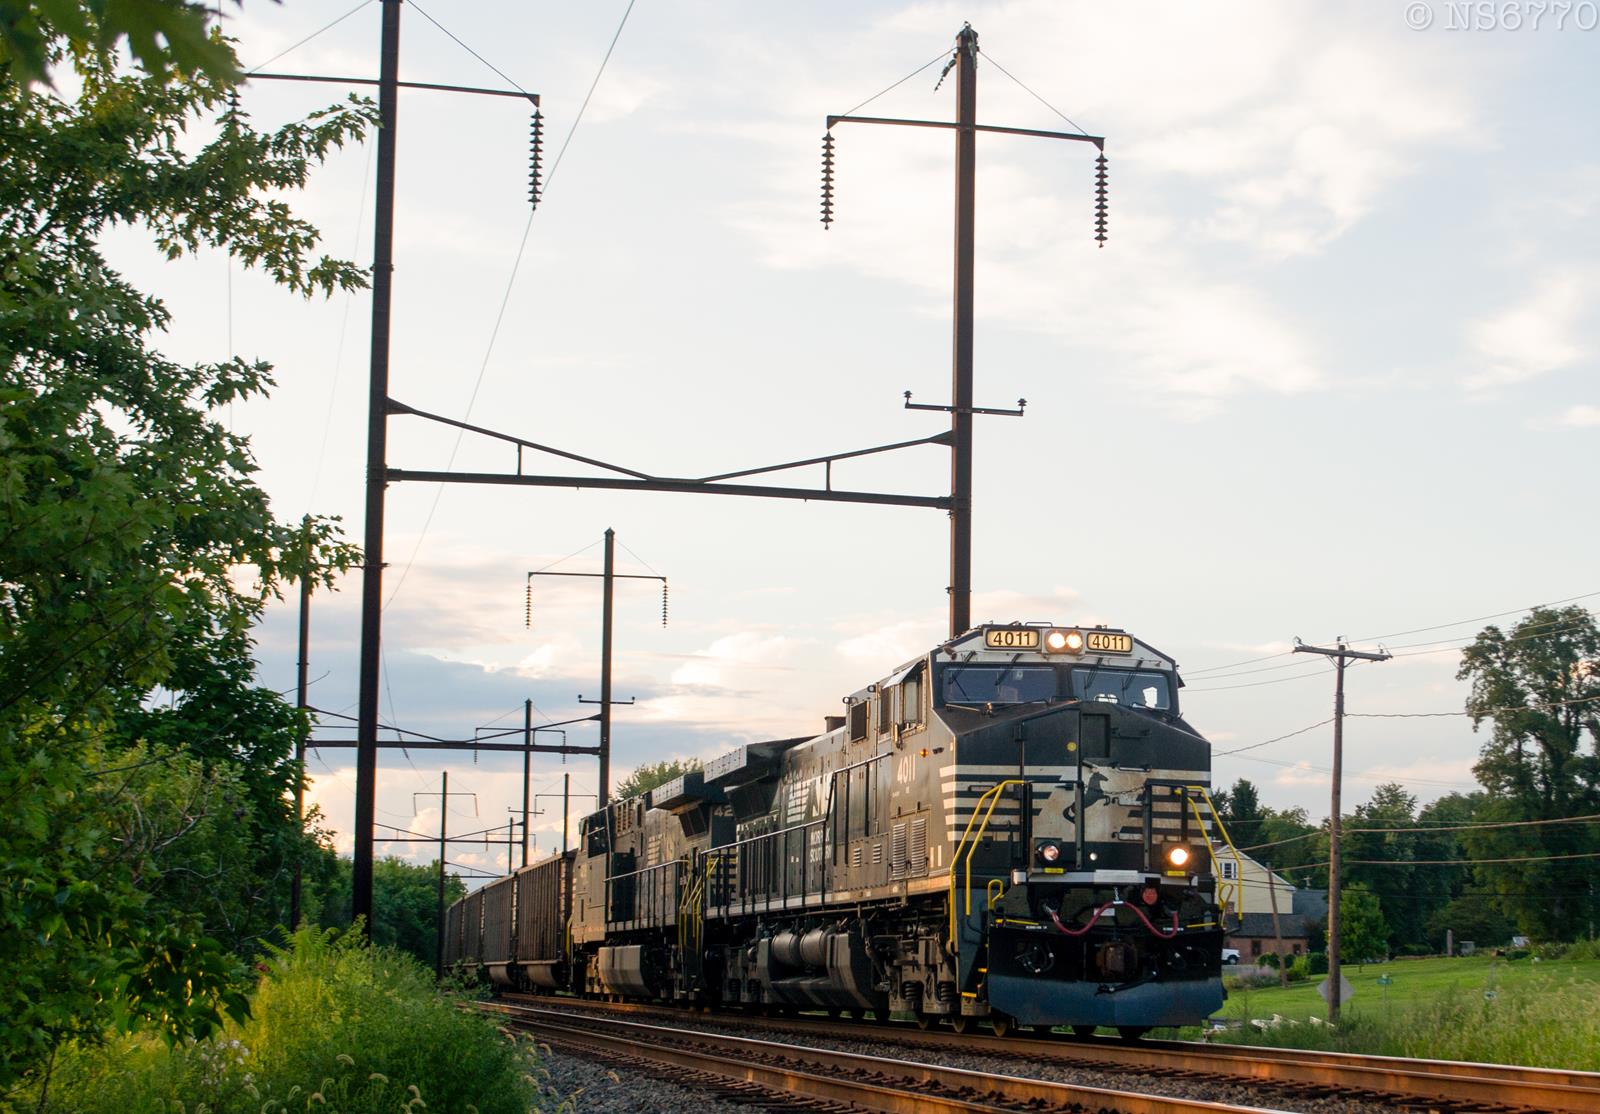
<point x="1538" y="1013"/>
<point x="1415" y="982"/>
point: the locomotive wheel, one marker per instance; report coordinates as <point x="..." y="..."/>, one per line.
<point x="1131" y="1032"/>
<point x="1083" y="1032"/>
<point x="858" y="1015"/>
<point x="924" y="1021"/>
<point x="961" y="1023"/>
<point x="1003" y="1024"/>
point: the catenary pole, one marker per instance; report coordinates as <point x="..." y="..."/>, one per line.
<point x="1341" y="654"/>
<point x="604" y="792"/>
<point x="527" y="771"/>
<point x="377" y="456"/>
<point x="961" y="362"/>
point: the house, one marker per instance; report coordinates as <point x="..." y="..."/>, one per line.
<point x="1253" y="892"/>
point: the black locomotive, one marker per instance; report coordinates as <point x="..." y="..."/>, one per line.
<point x="1014" y="827"/>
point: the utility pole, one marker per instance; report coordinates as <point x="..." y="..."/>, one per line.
<point x="608" y="577"/>
<point x="444" y="811"/>
<point x="961" y="362"/>
<point x="302" y="683"/>
<point x="609" y="583"/>
<point x="527" y="771"/>
<point x="1341" y="654"/>
<point x="1277" y="930"/>
<point x="377" y="462"/>
<point x="961" y="408"/>
<point x="566" y="796"/>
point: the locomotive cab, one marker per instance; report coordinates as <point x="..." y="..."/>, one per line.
<point x="1082" y="883"/>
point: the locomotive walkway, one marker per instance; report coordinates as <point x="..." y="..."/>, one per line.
<point x="1401" y="1083"/>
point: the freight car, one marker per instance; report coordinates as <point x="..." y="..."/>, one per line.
<point x="1015" y="826"/>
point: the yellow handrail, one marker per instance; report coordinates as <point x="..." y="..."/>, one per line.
<point x="969" y="844"/>
<point x="1222" y="830"/>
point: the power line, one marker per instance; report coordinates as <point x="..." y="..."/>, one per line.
<point x="1397" y="634"/>
<point x="1448" y="862"/>
<point x="1279" y="739"/>
<point x="1484" y="712"/>
<point x="1589" y="819"/>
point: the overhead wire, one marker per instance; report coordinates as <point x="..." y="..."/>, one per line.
<point x="505" y="301"/>
<point x="1396" y="634"/>
<point x="344" y="329"/>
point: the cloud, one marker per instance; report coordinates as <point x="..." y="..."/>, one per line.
<point x="1272" y="143"/>
<point x="1301" y="774"/>
<point x="1580" y="416"/>
<point x="1535" y="336"/>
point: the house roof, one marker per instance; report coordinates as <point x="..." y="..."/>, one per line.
<point x="1290" y="925"/>
<point x="1311" y="904"/>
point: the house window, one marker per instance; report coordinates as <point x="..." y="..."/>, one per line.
<point x="1255" y="947"/>
<point x="1230" y="871"/>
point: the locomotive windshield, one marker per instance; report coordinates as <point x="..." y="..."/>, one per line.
<point x="1136" y="688"/>
<point x="997" y="684"/>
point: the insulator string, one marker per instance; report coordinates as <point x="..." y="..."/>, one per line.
<point x="663" y="601"/>
<point x="827" y="179"/>
<point x="1100" y="207"/>
<point x="527" y="606"/>
<point x="535" y="156"/>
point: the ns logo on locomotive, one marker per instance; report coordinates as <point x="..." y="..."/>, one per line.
<point x="1014" y="827"/>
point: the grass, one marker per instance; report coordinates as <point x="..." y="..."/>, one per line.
<point x="1544" y="1013"/>
<point x="335" y="1027"/>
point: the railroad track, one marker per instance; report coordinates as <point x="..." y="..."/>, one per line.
<point x="1434" y="1085"/>
<point x="792" y="1077"/>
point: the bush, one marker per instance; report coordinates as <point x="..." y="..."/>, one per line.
<point x="1583" y="949"/>
<point x="1315" y="963"/>
<point x="1270" y="959"/>
<point x="335" y="1026"/>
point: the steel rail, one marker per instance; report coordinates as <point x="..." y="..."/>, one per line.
<point x="869" y="1082"/>
<point x="1387" y="1078"/>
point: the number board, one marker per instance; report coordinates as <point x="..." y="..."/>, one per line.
<point x="1011" y="638"/>
<point x="1101" y="642"/>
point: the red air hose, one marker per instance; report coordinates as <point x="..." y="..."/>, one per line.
<point x="1154" y="931"/>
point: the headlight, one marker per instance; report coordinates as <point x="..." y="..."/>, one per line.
<point x="1178" y="856"/>
<point x="1063" y="642"/>
<point x="1049" y="852"/>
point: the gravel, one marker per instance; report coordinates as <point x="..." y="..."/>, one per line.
<point x="1242" y="1093"/>
<point x="590" y="1087"/>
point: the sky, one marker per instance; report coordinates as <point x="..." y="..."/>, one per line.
<point x="1333" y="374"/>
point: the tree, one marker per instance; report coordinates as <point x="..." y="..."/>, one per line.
<point x="651" y="774"/>
<point x="1242" y="813"/>
<point x="405" y="903"/>
<point x="127" y="516"/>
<point x="1539" y="688"/>
<point x="1470" y="918"/>
<point x="1362" y="932"/>
<point x="164" y="35"/>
